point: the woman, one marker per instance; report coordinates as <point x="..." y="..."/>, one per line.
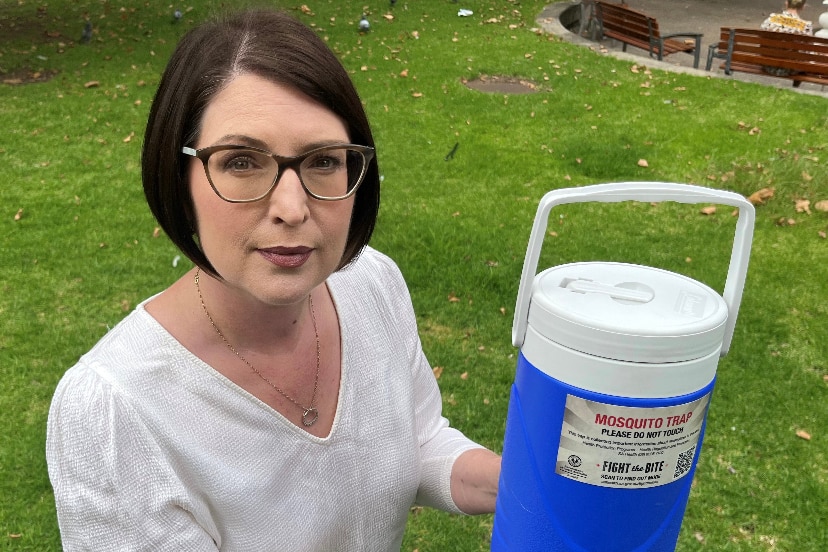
<point x="789" y="21"/>
<point x="276" y="397"/>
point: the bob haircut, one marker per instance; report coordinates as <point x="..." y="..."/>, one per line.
<point x="268" y="44"/>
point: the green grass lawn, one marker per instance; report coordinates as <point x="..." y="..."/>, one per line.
<point x="80" y="249"/>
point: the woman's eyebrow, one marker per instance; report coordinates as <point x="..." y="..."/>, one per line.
<point x="244" y="140"/>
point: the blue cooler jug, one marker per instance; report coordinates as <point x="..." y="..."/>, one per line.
<point x="607" y="411"/>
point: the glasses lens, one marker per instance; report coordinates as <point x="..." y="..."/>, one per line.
<point x="332" y="172"/>
<point x="241" y="174"/>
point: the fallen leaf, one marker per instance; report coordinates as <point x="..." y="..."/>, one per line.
<point x="438" y="371"/>
<point x="417" y="95"/>
<point x="19" y="214"/>
<point x="709" y="210"/>
<point x="806" y="177"/>
<point x="404" y="73"/>
<point x="699" y="537"/>
<point x="503" y="311"/>
<point x="802" y="434"/>
<point x="643" y="163"/>
<point x="156" y="232"/>
<point x="389" y="17"/>
<point x="129" y="138"/>
<point x="754" y="131"/>
<point x="760" y="196"/>
<point x="822" y="234"/>
<point x="821" y="205"/>
<point x="464" y="376"/>
<point x="305" y="9"/>
<point x="453" y="298"/>
<point x="803" y="206"/>
<point x="92" y="84"/>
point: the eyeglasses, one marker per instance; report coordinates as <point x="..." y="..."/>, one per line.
<point x="243" y="174"/>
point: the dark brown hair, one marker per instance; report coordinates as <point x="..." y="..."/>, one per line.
<point x="268" y="44"/>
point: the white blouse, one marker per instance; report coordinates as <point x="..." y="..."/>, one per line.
<point x="149" y="448"/>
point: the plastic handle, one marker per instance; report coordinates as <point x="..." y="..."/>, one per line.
<point x="648" y="192"/>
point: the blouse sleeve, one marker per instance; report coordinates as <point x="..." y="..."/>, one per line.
<point x="113" y="490"/>
<point x="440" y="444"/>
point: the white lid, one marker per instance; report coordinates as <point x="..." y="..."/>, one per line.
<point x="627" y="312"/>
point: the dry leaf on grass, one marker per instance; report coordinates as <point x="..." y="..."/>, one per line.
<point x="760" y="196"/>
<point x="802" y="434"/>
<point x="643" y="163"/>
<point x="709" y="210"/>
<point x="19" y="214"/>
<point x="803" y="206"/>
<point x="821" y="205"/>
<point x="438" y="371"/>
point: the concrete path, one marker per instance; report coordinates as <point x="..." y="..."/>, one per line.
<point x="696" y="16"/>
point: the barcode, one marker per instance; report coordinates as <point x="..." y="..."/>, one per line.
<point x="684" y="462"/>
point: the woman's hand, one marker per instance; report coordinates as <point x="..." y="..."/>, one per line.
<point x="474" y="480"/>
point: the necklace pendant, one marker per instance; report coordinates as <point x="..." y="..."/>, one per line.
<point x="309" y="416"/>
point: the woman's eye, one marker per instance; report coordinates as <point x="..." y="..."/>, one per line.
<point x="325" y="162"/>
<point x="241" y="162"/>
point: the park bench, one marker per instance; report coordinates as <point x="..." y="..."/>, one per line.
<point x="619" y="22"/>
<point x="800" y="58"/>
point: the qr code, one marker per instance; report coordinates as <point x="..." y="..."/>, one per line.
<point x="684" y="462"/>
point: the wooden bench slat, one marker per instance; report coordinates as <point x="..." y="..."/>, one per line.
<point x="619" y="22"/>
<point x="752" y="50"/>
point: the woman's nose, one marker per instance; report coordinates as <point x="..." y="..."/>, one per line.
<point x="288" y="200"/>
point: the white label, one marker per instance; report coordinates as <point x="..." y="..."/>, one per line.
<point x="625" y="447"/>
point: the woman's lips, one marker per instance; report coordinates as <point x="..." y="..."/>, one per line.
<point x="287" y="257"/>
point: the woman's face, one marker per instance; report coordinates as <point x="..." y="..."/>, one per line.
<point x="277" y="249"/>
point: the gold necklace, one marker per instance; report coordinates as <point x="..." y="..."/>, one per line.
<point x="309" y="413"/>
